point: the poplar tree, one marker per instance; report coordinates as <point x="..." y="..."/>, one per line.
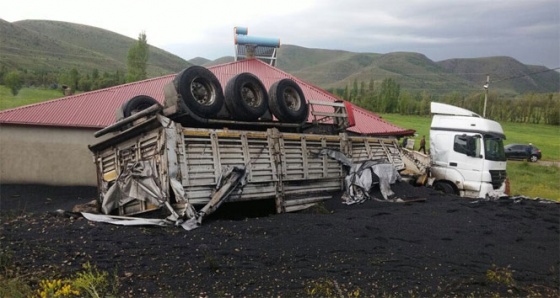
<point x="137" y="60"/>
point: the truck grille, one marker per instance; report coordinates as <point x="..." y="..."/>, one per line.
<point x="498" y="178"/>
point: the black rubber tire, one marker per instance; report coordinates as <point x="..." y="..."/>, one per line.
<point x="533" y="158"/>
<point x="287" y="102"/>
<point x="200" y="90"/>
<point x="246" y="97"/>
<point x="136" y="104"/>
<point x="444" y="187"/>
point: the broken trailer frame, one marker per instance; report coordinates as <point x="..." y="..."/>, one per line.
<point x="152" y="162"/>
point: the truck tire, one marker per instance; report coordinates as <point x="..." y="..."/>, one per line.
<point x="287" y="101"/>
<point x="445" y="187"/>
<point x="201" y="91"/>
<point x="246" y="97"/>
<point x="134" y="105"/>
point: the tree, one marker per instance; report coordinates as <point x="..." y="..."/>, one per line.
<point x="137" y="60"/>
<point x="3" y="72"/>
<point x="85" y="83"/>
<point x="389" y="95"/>
<point x="354" y="91"/>
<point x="14" y="81"/>
<point x="74" y="78"/>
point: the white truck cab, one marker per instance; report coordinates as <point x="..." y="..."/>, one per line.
<point x="467" y="153"/>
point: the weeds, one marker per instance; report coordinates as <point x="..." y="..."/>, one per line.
<point x="56" y="288"/>
<point x="11" y="283"/>
<point x="90" y="282"/>
<point x="94" y="282"/>
<point x="210" y="259"/>
<point x="500" y="275"/>
<point x="330" y="288"/>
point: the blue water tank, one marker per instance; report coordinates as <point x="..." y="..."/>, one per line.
<point x="259" y="41"/>
<point x="241" y="30"/>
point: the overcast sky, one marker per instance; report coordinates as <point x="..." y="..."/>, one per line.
<point x="527" y="30"/>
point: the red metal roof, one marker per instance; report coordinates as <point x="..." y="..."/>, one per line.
<point x="96" y="109"/>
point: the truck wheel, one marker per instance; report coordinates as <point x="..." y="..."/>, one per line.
<point x="135" y="105"/>
<point x="246" y="97"/>
<point x="444" y="187"/>
<point x="287" y="101"/>
<point x="201" y="91"/>
<point x="533" y="158"/>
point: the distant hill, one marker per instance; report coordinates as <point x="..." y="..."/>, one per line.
<point x="505" y="73"/>
<point x="53" y="45"/>
<point x="413" y="71"/>
<point x="208" y="63"/>
<point x="198" y="61"/>
<point x="416" y="72"/>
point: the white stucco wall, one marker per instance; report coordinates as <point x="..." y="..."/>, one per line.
<point x="46" y="155"/>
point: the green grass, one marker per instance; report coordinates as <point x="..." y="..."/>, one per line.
<point x="419" y="123"/>
<point x="545" y="137"/>
<point x="534" y="180"/>
<point x="26" y="96"/>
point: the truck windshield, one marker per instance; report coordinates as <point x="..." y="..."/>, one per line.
<point x="494" y="148"/>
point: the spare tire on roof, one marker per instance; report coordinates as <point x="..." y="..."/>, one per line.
<point x="287" y="102"/>
<point x="200" y="90"/>
<point x="246" y="97"/>
<point x="135" y="105"/>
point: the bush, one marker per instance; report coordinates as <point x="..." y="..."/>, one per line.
<point x="14" y="81"/>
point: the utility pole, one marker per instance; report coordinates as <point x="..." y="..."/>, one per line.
<point x="486" y="94"/>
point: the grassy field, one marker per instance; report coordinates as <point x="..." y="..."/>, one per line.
<point x="528" y="179"/>
<point x="534" y="180"/>
<point x="26" y="96"/>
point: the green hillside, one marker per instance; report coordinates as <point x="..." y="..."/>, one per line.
<point x="39" y="45"/>
<point x="414" y="71"/>
<point x="52" y="46"/>
<point x="505" y="74"/>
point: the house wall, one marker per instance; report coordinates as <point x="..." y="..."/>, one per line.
<point x="46" y="155"/>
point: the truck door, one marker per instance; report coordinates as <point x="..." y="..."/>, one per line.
<point x="468" y="160"/>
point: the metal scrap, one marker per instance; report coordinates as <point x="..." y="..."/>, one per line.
<point x="138" y="183"/>
<point x="363" y="176"/>
<point x="229" y="181"/>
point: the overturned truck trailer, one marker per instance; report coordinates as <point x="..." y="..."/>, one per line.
<point x="185" y="165"/>
<point x="174" y="157"/>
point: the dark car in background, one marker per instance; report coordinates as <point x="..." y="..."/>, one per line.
<point x="522" y="151"/>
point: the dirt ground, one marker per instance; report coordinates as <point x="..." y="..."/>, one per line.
<point x="445" y="246"/>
